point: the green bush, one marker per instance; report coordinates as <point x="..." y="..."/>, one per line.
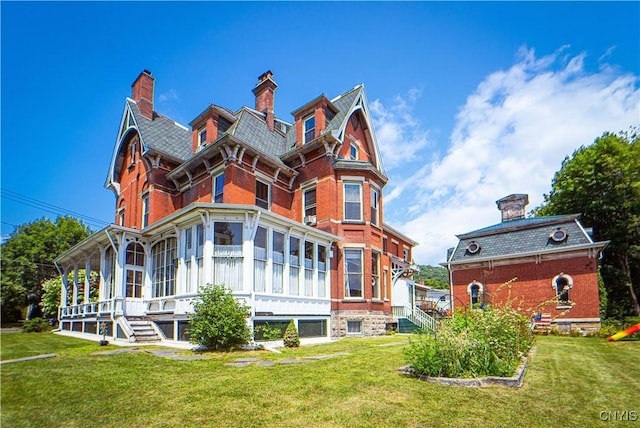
<point x="35" y="325"/>
<point x="267" y="332"/>
<point x="291" y="338"/>
<point x="488" y="342"/>
<point x="219" y="321"/>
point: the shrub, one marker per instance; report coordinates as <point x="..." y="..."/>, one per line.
<point x="267" y="332"/>
<point x="219" y="321"/>
<point x="35" y="325"/>
<point x="488" y="342"/>
<point x="291" y="338"/>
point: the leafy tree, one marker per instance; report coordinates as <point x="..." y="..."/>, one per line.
<point x="433" y="276"/>
<point x="602" y="182"/>
<point x="28" y="255"/>
<point x="219" y="321"/>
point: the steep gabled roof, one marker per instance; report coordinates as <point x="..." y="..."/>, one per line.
<point x="162" y="134"/>
<point x="251" y="128"/>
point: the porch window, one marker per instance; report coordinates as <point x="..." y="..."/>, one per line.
<point x="375" y="276"/>
<point x="312" y="328"/>
<point x="200" y="254"/>
<point x="134" y="270"/>
<point x="260" y="260"/>
<point x="308" y="268"/>
<point x="278" y="262"/>
<point x="294" y="266"/>
<point x="188" y="253"/>
<point x="227" y="255"/>
<point x="109" y="273"/>
<point x="165" y="263"/>
<point x="353" y="273"/>
<point x="322" y="271"/>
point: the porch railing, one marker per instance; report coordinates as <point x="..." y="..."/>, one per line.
<point x="416" y="316"/>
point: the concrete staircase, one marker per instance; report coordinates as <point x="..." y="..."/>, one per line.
<point x="143" y="330"/>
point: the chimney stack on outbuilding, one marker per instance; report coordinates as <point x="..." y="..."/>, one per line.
<point x="264" y="92"/>
<point x="142" y="93"/>
<point x="513" y="206"/>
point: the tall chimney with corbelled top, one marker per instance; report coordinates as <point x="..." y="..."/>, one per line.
<point x="142" y="93"/>
<point x="264" y="92"/>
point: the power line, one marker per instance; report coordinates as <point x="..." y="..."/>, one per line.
<point x="50" y="208"/>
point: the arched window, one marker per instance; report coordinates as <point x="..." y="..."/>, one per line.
<point x="562" y="284"/>
<point x="134" y="270"/>
<point x="475" y="290"/>
<point x="164" y="255"/>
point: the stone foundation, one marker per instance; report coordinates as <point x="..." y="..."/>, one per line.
<point x="373" y="323"/>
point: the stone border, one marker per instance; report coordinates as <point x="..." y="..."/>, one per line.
<point x="35" y="357"/>
<point x="515" y="381"/>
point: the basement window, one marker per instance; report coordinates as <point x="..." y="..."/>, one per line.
<point x="354" y="327"/>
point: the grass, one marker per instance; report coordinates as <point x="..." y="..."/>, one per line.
<point x="569" y="382"/>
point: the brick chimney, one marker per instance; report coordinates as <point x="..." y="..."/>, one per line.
<point x="264" y="92"/>
<point x="513" y="206"/>
<point x="142" y="93"/>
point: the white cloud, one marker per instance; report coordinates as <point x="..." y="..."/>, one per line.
<point x="170" y="95"/>
<point x="398" y="133"/>
<point x="510" y="137"/>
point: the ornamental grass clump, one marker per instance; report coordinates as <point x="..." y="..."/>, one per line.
<point x="487" y="342"/>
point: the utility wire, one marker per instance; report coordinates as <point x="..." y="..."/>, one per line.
<point x="47" y="207"/>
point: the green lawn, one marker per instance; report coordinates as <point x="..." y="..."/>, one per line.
<point x="570" y="381"/>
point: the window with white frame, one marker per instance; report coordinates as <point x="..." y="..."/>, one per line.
<point x="260" y="260"/>
<point x="375" y="276"/>
<point x="353" y="201"/>
<point x="310" y="202"/>
<point x="218" y="188"/>
<point x="227" y="254"/>
<point x="354" y="327"/>
<point x="294" y="266"/>
<point x="132" y="153"/>
<point x="562" y="284"/>
<point x="475" y="291"/>
<point x="202" y="137"/>
<point x="278" y="262"/>
<point x="375" y="207"/>
<point x="145" y="210"/>
<point x="353" y="273"/>
<point x="309" y="128"/>
<point x="406" y="254"/>
<point x="385" y="283"/>
<point x="308" y="268"/>
<point x="109" y="275"/>
<point x="322" y="271"/>
<point x="188" y="254"/>
<point x="200" y="254"/>
<point x="353" y="151"/>
<point x="164" y="256"/>
<point x="121" y="217"/>
<point x="263" y="195"/>
<point x="134" y="268"/>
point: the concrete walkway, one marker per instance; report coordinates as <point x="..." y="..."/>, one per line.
<point x="35" y="357"/>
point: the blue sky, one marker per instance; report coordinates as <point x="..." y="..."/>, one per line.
<point x="470" y="101"/>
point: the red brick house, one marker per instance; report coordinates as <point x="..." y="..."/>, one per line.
<point x="553" y="260"/>
<point x="288" y="215"/>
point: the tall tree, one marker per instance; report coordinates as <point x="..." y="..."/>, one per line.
<point x="602" y="182"/>
<point x="27" y="259"/>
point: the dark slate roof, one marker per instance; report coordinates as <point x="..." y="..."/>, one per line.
<point x="162" y="134"/>
<point x="252" y="129"/>
<point x="520" y="236"/>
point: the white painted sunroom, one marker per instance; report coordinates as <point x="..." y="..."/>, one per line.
<point x="276" y="266"/>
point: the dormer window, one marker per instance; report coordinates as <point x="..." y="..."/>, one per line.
<point x="559" y="234"/>
<point x="353" y="151"/>
<point x="473" y="247"/>
<point x="202" y="137"/>
<point x="309" y="129"/>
